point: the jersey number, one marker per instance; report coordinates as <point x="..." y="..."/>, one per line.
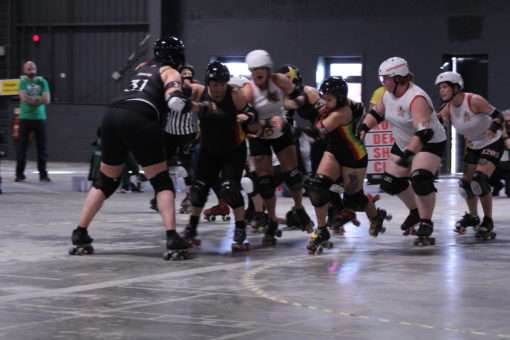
<point x="137" y="85"/>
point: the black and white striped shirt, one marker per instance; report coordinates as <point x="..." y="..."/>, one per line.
<point x="181" y="123"/>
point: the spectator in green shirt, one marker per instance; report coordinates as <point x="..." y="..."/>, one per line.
<point x="34" y="94"/>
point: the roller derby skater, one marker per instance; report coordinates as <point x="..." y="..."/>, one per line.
<point x="221" y="209"/>
<point x="410" y="222"/>
<point x="423" y="233"/>
<point x="466" y="221"/>
<point x="485" y="230"/>
<point x="272" y="232"/>
<point x="420" y="140"/>
<point x="481" y="125"/>
<point x="298" y="218"/>
<point x="82" y="242"/>
<point x="319" y="241"/>
<point x="240" y="238"/>
<point x="177" y="247"/>
<point x="186" y="205"/>
<point x="131" y="123"/>
<point x="337" y="218"/>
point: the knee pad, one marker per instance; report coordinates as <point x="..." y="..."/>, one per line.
<point x="162" y="181"/>
<point x="253" y="176"/>
<point x="247" y="185"/>
<point x="393" y="185"/>
<point x="106" y="184"/>
<point x="422" y="181"/>
<point x="319" y="189"/>
<point x="266" y="187"/>
<point x="356" y="201"/>
<point x="465" y="189"/>
<point x="480" y="184"/>
<point x="231" y="193"/>
<point x="294" y="179"/>
<point x="198" y="194"/>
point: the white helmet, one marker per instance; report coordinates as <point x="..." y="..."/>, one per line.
<point x="452" y="77"/>
<point x="394" y="66"/>
<point x="258" y="58"/>
<point x="238" y="81"/>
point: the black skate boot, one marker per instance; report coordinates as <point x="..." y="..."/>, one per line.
<point x="271" y="233"/>
<point x="259" y="222"/>
<point x="376" y="223"/>
<point x="485" y="230"/>
<point x="318" y="241"/>
<point x="153" y="203"/>
<point x="299" y="219"/>
<point x="81" y="242"/>
<point x="185" y="205"/>
<point x="411" y="220"/>
<point x="190" y="233"/>
<point x="466" y="221"/>
<point x="423" y="234"/>
<point x="177" y="247"/>
<point x="240" y="237"/>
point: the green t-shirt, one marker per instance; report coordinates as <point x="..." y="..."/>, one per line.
<point x="33" y="88"/>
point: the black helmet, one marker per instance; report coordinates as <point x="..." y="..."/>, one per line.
<point x="337" y="87"/>
<point x="189" y="67"/>
<point x="217" y="71"/>
<point x="170" y="49"/>
<point x="292" y="72"/>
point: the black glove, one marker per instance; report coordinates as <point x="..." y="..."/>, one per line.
<point x="360" y="128"/>
<point x="314" y="132"/>
<point x="189" y="147"/>
<point x="406" y="159"/>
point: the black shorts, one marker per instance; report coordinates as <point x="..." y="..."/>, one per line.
<point x="124" y="130"/>
<point x="434" y="148"/>
<point x="491" y="152"/>
<point x="212" y="167"/>
<point x="347" y="160"/>
<point x="260" y="147"/>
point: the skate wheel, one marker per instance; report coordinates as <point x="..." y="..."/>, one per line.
<point x="383" y="230"/>
<point x="388" y="217"/>
<point x="226" y="218"/>
<point x="432" y="241"/>
<point x="166" y="256"/>
<point x="72" y="251"/>
<point x="319" y="250"/>
<point x="181" y="211"/>
<point x="493" y="235"/>
<point x="89" y="250"/>
<point x="212" y="218"/>
<point x="310" y="251"/>
<point x="416" y="242"/>
<point x="278" y="233"/>
<point x="356" y="223"/>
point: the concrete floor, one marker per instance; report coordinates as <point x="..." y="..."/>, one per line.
<point x="363" y="288"/>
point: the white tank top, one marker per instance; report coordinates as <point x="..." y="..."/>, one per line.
<point x="398" y="113"/>
<point x="266" y="108"/>
<point x="472" y="125"/>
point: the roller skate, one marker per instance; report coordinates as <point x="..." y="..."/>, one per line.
<point x="337" y="218"/>
<point x="153" y="204"/>
<point x="298" y="218"/>
<point x="221" y="209"/>
<point x="239" y="238"/>
<point x="466" y="221"/>
<point x="318" y="241"/>
<point x="259" y="222"/>
<point x="177" y="247"/>
<point x="485" y="230"/>
<point x="423" y="233"/>
<point x="190" y="236"/>
<point x="376" y="223"/>
<point x="410" y="222"/>
<point x="271" y="233"/>
<point x="81" y="242"/>
<point x="185" y="205"/>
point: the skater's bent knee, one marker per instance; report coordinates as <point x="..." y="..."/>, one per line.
<point x="393" y="185"/>
<point x="162" y="181"/>
<point x="357" y="201"/>
<point x="231" y="193"/>
<point x="422" y="181"/>
<point x="198" y="194"/>
<point x="480" y="185"/>
<point x="319" y="189"/>
<point x="106" y="184"/>
<point x="266" y="187"/>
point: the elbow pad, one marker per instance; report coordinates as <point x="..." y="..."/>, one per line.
<point x="177" y="103"/>
<point x="424" y="133"/>
<point x="376" y="115"/>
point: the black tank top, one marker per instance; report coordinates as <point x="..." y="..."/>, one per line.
<point x="145" y="86"/>
<point x="220" y="132"/>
